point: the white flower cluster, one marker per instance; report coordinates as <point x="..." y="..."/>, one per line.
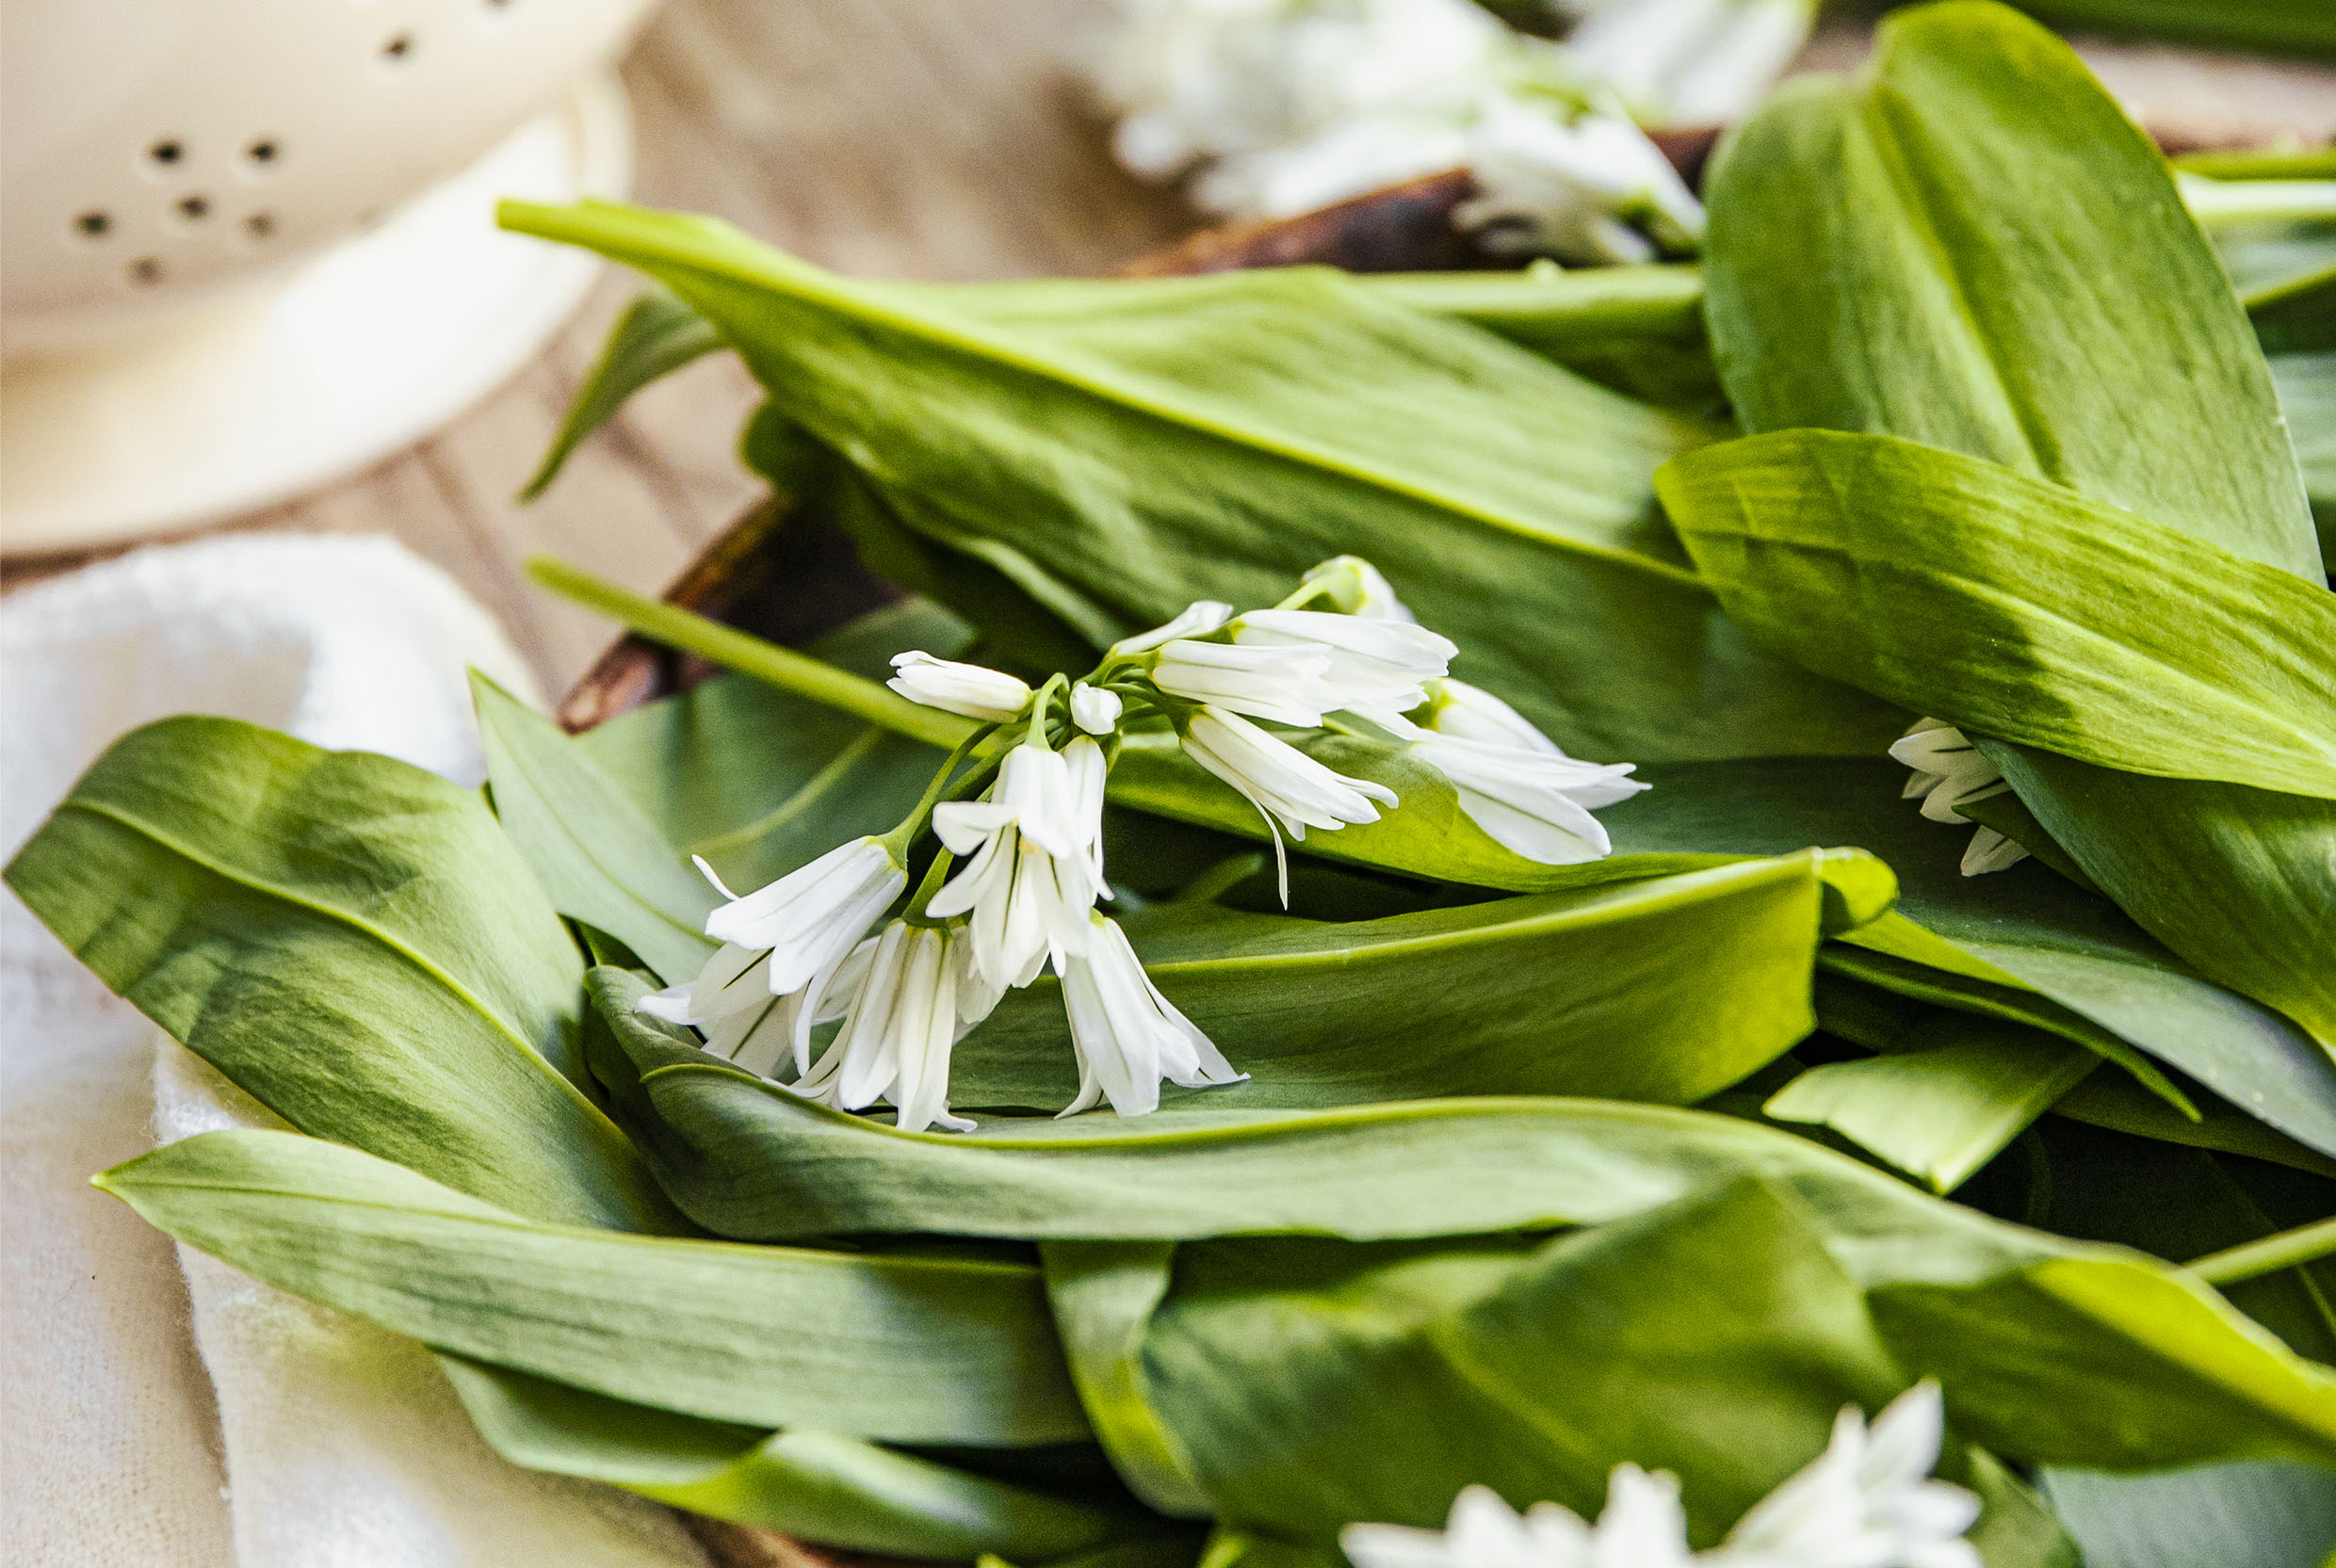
<point x="1950" y="772"/>
<point x="1285" y="106"/>
<point x="1013" y="887"/>
<point x="1866" y="1502"/>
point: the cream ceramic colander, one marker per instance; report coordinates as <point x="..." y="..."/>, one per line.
<point x="187" y="189"/>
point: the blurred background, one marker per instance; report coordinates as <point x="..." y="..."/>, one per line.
<point x="942" y="138"/>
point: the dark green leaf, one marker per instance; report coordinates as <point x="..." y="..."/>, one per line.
<point x="2231" y="1516"/>
<point x="355" y="943"/>
<point x="909" y="1349"/>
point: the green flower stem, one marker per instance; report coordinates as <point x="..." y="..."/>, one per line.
<point x="901" y="838"/>
<point x="2287" y="1250"/>
<point x="750" y="655"/>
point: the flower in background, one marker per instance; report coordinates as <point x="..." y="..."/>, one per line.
<point x="1036" y="839"/>
<point x="1950" y="772"/>
<point x="970" y="690"/>
<point x="1286" y="105"/>
<point x="807" y="920"/>
<point x="1127" y="1036"/>
<point x="1688" y="62"/>
<point x="898" y="1032"/>
<point x="1866" y="1502"/>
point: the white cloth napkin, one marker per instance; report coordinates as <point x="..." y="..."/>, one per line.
<point x="159" y="1419"/>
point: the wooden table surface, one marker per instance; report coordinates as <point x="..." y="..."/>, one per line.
<point x="943" y="138"/>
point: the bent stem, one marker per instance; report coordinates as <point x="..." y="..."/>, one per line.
<point x="751" y="656"/>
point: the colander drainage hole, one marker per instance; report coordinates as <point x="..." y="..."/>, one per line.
<point x="263" y="152"/>
<point x="400" y="46"/>
<point x="195" y="208"/>
<point x="94" y="225"/>
<point x="260" y="225"/>
<point x="146" y="271"/>
<point x="167" y="154"/>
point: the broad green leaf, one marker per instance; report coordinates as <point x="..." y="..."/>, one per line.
<point x="595" y="854"/>
<point x="2104" y="1100"/>
<point x="2296" y="315"/>
<point x="904" y="1348"/>
<point x="1315" y="1383"/>
<point x="2020" y="927"/>
<point x="355" y="943"/>
<point x="1103" y="1294"/>
<point x="1941" y="1113"/>
<point x="2231" y="1516"/>
<point x="1705" y="974"/>
<point x="2304" y="26"/>
<point x="2015" y="608"/>
<point x="813" y="1485"/>
<point x="1972" y="248"/>
<point x="1242" y="429"/>
<point x="656" y="335"/>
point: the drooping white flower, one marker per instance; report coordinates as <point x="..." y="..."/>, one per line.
<point x="1094" y="709"/>
<point x="1642" y="1527"/>
<point x="731" y="1001"/>
<point x="898" y="1032"/>
<point x="1688" y="62"/>
<point x="1512" y="780"/>
<point x="1128" y="1037"/>
<point x="971" y="689"/>
<point x="1355" y="586"/>
<point x="1197" y="618"/>
<point x="1949" y="773"/>
<point x="1867" y="1501"/>
<point x="1290" y="790"/>
<point x="1036" y="842"/>
<point x="1589" y="187"/>
<point x="811" y="917"/>
<point x="1288" y="684"/>
<point x="1375" y="665"/>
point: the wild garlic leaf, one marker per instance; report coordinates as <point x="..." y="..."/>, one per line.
<point x="1941" y="1112"/>
<point x="1250" y="426"/>
<point x="814" y="1485"/>
<point x="1971" y="248"/>
<point x="354" y="943"/>
<point x="2272" y="1515"/>
<point x="595" y="853"/>
<point x="2016" y="609"/>
<point x="656" y="335"/>
<point x="2307" y="384"/>
<point x="905" y="1348"/>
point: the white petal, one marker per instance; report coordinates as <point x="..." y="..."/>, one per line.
<point x="1094" y="709"/>
<point x="1357" y="589"/>
<point x="1197" y="618"/>
<point x="970" y="690"/>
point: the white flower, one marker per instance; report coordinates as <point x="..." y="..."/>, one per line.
<point x="1641" y="1528"/>
<point x="1355" y="588"/>
<point x="1094" y="709"/>
<point x="1036" y="839"/>
<point x="1290" y="790"/>
<point x="1128" y="1037"/>
<point x="1288" y="685"/>
<point x="1582" y="188"/>
<point x="1375" y="665"/>
<point x="989" y="695"/>
<point x="1512" y="780"/>
<point x="1949" y="772"/>
<point x="1347" y="159"/>
<point x="1690" y="63"/>
<point x="1865" y="1502"/>
<point x="1197" y="618"/>
<point x="897" y="1035"/>
<point x="811" y="917"/>
<point x="731" y="1001"/>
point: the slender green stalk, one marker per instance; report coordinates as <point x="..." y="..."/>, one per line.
<point x="2288" y="1249"/>
<point x="751" y="656"/>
